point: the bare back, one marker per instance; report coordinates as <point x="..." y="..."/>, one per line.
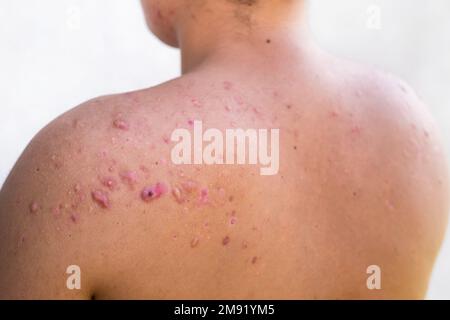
<point x="361" y="182"/>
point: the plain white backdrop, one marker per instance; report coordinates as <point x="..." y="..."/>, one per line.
<point x="55" y="54"/>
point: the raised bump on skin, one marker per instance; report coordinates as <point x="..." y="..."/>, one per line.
<point x="154" y="192"/>
<point x="101" y="198"/>
<point x="34" y="207"/>
<point x="121" y="124"/>
<point x="226" y="240"/>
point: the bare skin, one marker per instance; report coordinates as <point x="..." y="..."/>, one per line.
<point x="362" y="180"/>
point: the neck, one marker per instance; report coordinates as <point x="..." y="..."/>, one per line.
<point x="225" y="32"/>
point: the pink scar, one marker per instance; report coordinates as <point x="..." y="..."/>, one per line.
<point x="101" y="198"/>
<point x="154" y="192"/>
<point x="129" y="177"/>
<point x="121" y="124"/>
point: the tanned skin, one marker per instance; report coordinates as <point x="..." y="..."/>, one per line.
<point x="362" y="180"/>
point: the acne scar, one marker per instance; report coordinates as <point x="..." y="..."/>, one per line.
<point x="77" y="188"/>
<point x="233" y="220"/>
<point x="204" y="195"/>
<point x="154" y="192"/>
<point x="390" y="205"/>
<point x="129" y="177"/>
<point x="194" y="242"/>
<point x="227" y="85"/>
<point x="101" y="198"/>
<point x="334" y="114"/>
<point x="74" y="217"/>
<point x="121" y="124"/>
<point x="254" y="259"/>
<point x="176" y="192"/>
<point x="57" y="211"/>
<point x="356" y="130"/>
<point x="226" y="240"/>
<point x="189" y="186"/>
<point x="196" y="103"/>
<point x="34" y="207"/>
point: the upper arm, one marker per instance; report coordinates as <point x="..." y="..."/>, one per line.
<point x="41" y="228"/>
<point x="415" y="187"/>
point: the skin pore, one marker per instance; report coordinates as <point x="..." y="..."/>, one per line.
<point x="362" y="178"/>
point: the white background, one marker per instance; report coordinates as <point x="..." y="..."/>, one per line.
<point x="55" y="54"/>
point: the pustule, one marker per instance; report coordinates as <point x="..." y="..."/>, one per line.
<point x="229" y="148"/>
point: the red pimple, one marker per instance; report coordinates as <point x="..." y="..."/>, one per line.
<point x="34" y="207"/>
<point x="121" y="124"/>
<point x="190" y="122"/>
<point x="101" y="198"/>
<point x="109" y="182"/>
<point x="154" y="192"/>
<point x="233" y="220"/>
